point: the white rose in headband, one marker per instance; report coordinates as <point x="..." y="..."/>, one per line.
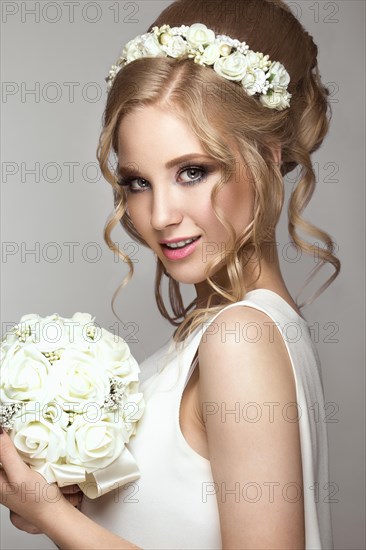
<point x="257" y="60"/>
<point x="232" y="67"/>
<point x="151" y="46"/>
<point x="211" y="54"/>
<point x="276" y="100"/>
<point x="199" y="35"/>
<point x="279" y="75"/>
<point x="175" y="47"/>
<point x="254" y="81"/>
<point x="146" y="45"/>
<point x="132" y="51"/>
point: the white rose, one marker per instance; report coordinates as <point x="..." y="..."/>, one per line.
<point x="36" y="439"/>
<point x="132" y="50"/>
<point x="50" y="333"/>
<point x="279" y="75"/>
<point x="80" y="380"/>
<point x="199" y="35"/>
<point x="232" y="67"/>
<point x="151" y="46"/>
<point x="82" y="318"/>
<point x="278" y="100"/>
<point x="26" y="375"/>
<point x="95" y="445"/>
<point x="253" y="59"/>
<point x="114" y="356"/>
<point x="211" y="54"/>
<point x="254" y="81"/>
<point x="176" y="47"/>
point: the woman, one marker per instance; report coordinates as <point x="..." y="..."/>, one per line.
<point x="230" y="451"/>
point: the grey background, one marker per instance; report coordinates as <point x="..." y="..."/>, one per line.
<point x="42" y="215"/>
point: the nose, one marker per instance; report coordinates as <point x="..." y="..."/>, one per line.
<point x="166" y="210"/>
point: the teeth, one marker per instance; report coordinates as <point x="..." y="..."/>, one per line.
<point x="179" y="244"/>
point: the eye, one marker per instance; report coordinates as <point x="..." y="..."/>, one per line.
<point x="193" y="174"/>
<point x="138" y="186"/>
<point x="128" y="183"/>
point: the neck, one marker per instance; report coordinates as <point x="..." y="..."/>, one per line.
<point x="270" y="276"/>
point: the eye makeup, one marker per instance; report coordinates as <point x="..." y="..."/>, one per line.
<point x="205" y="169"/>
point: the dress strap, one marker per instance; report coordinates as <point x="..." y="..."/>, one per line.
<point x="191" y="369"/>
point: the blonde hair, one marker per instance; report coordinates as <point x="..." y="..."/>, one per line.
<point x="225" y="119"/>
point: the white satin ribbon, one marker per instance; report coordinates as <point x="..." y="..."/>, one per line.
<point x="96" y="483"/>
<point x="123" y="470"/>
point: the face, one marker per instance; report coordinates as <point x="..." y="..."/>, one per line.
<point x="168" y="197"/>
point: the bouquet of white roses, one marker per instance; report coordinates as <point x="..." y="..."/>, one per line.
<point x="69" y="397"/>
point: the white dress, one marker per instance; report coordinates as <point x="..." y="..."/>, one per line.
<point x="173" y="505"/>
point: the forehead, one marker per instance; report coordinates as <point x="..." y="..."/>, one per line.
<point x="155" y="134"/>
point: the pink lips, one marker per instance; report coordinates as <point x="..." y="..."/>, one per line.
<point x="179" y="253"/>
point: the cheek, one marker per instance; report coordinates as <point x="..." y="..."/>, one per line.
<point x="236" y="201"/>
<point x="137" y="213"/>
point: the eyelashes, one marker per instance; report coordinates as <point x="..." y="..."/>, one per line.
<point x="205" y="170"/>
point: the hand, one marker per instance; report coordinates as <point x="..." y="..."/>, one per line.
<point x="26" y="492"/>
<point x="72" y="493"/>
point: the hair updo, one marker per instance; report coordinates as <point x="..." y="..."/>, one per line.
<point x="226" y="119"/>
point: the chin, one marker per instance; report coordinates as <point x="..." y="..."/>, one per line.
<point x="187" y="277"/>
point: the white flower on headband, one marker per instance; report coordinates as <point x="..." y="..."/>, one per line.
<point x="254" y="81"/>
<point x="232" y="67"/>
<point x="211" y="54"/>
<point x="280" y="77"/>
<point x="277" y="100"/>
<point x="199" y="35"/>
<point x="175" y="46"/>
<point x="230" y="58"/>
<point x="146" y="45"/>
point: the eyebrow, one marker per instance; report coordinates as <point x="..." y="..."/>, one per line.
<point x="131" y="168"/>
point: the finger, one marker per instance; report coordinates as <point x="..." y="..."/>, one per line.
<point x="11" y="462"/>
<point x="20" y="523"/>
<point x="69" y="489"/>
<point x="75" y="500"/>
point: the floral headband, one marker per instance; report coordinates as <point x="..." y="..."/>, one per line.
<point x="228" y="57"/>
